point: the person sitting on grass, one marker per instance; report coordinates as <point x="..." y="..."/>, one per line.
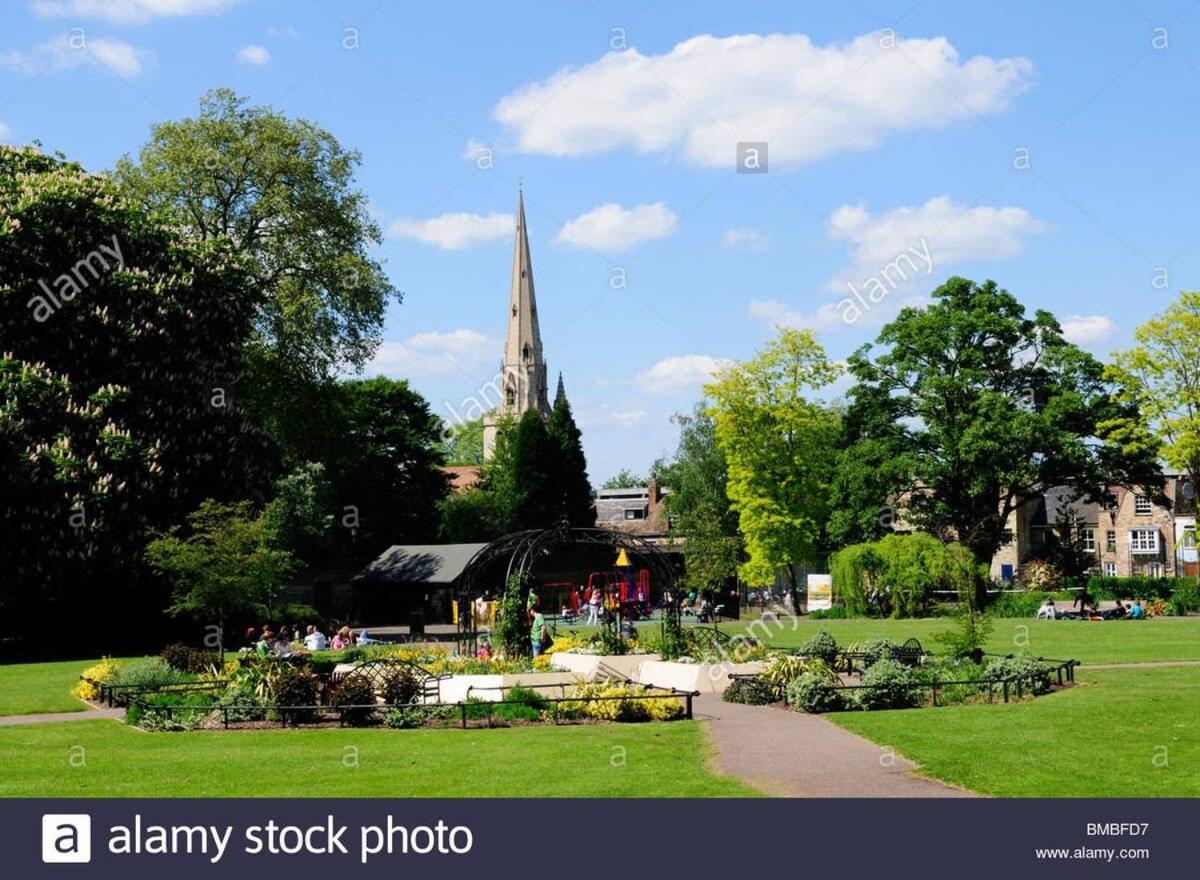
<point x="283" y="644"/>
<point x="1136" y="611"/>
<point x="266" y="644"/>
<point x="314" y="640"/>
<point x="1116" y="612"/>
<point x="1047" y="611"/>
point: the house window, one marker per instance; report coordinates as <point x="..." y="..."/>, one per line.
<point x="1110" y="541"/>
<point x="1143" y="540"/>
<point x="1141" y="505"/>
<point x="1153" y="569"/>
<point x="635" y="513"/>
<point x="1110" y="569"/>
<point x="1189" y="537"/>
<point x="1089" y="540"/>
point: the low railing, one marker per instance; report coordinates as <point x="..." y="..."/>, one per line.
<point x="120" y="694"/>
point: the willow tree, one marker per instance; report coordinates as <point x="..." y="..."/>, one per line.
<point x="778" y="443"/>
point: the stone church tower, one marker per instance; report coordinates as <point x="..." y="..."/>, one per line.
<point x="522" y="377"/>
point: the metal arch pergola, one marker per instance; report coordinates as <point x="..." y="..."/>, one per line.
<point x="522" y="550"/>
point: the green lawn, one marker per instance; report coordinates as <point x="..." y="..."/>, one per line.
<point x="1118" y="733"/>
<point x="29" y="688"/>
<point x="1112" y="641"/>
<point x="609" y="760"/>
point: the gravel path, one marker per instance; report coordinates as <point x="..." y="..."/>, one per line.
<point x="790" y="754"/>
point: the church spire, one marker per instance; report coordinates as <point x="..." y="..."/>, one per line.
<point x="561" y="393"/>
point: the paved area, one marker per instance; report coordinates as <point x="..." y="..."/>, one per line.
<point x="790" y="754"/>
<point x="51" y="717"/>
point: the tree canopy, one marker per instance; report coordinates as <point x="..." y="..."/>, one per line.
<point x="778" y="446"/>
<point x="970" y="408"/>
<point x="118" y="335"/>
<point x="1160" y="379"/>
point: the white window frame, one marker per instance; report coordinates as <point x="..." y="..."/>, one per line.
<point x="1110" y="541"/>
<point x="1154" y="569"/>
<point x="1143" y="541"/>
<point x="1089" y="540"/>
<point x="1110" y="569"/>
<point x="1142" y="505"/>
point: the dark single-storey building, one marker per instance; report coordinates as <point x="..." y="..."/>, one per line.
<point x="407" y="578"/>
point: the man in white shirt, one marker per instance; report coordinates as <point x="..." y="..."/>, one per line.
<point x="314" y="640"/>
<point x="1047" y="611"/>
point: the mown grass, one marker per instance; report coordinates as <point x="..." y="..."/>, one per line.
<point x="1111" y="641"/>
<point x="36" y="688"/>
<point x="1118" y="733"/>
<point x="107" y="759"/>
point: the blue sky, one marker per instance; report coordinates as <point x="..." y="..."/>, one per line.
<point x="1048" y="146"/>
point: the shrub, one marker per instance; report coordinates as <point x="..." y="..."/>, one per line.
<point x="1038" y="575"/>
<point x="1033" y="675"/>
<point x="1185" y="599"/>
<point x="969" y="635"/>
<point x="874" y="650"/>
<point x="1134" y="587"/>
<point x="295" y="690"/>
<point x="185" y="658"/>
<point x="354" y="698"/>
<point x="621" y="706"/>
<point x="408" y="717"/>
<point x="814" y="693"/>
<point x="837" y="612"/>
<point x="821" y="646"/>
<point x="1018" y="604"/>
<point x="150" y="673"/>
<point x="749" y="691"/>
<point x="403" y="686"/>
<point x="250" y="706"/>
<point x="888" y="685"/>
<point x="91" y="678"/>
<point x="529" y="710"/>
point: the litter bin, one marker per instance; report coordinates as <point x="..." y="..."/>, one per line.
<point x="416" y="623"/>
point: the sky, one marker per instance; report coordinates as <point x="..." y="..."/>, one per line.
<point x="1047" y="146"/>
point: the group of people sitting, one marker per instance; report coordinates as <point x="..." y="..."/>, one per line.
<point x="1088" y="611"/>
<point x="288" y="640"/>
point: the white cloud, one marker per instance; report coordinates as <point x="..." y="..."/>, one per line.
<point x="433" y="354"/>
<point x="454" y="232"/>
<point x="287" y="31"/>
<point x="829" y="316"/>
<point x="708" y="93"/>
<point x="252" y="54"/>
<point x="129" y="11"/>
<point x="475" y="150"/>
<point x="749" y="239"/>
<point x="947" y="231"/>
<point x="609" y="227"/>
<point x="685" y="372"/>
<point x="1088" y="329"/>
<point x="67" y="52"/>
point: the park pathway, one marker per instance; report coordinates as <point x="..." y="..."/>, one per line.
<point x="52" y="717"/>
<point x="791" y="754"/>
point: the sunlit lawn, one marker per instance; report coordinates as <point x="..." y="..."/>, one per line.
<point x="1118" y="733"/>
<point x="106" y="758"/>
<point x="29" y="688"/>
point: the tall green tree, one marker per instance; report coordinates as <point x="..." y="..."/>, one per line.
<point x="778" y="447"/>
<point x="971" y="408"/>
<point x="698" y="504"/>
<point x="384" y="464"/>
<point x="281" y="193"/>
<point x="117" y="335"/>
<point x="534" y="467"/>
<point x="571" y="484"/>
<point x="463" y="443"/>
<point x="225" y="563"/>
<point x="1160" y="379"/>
